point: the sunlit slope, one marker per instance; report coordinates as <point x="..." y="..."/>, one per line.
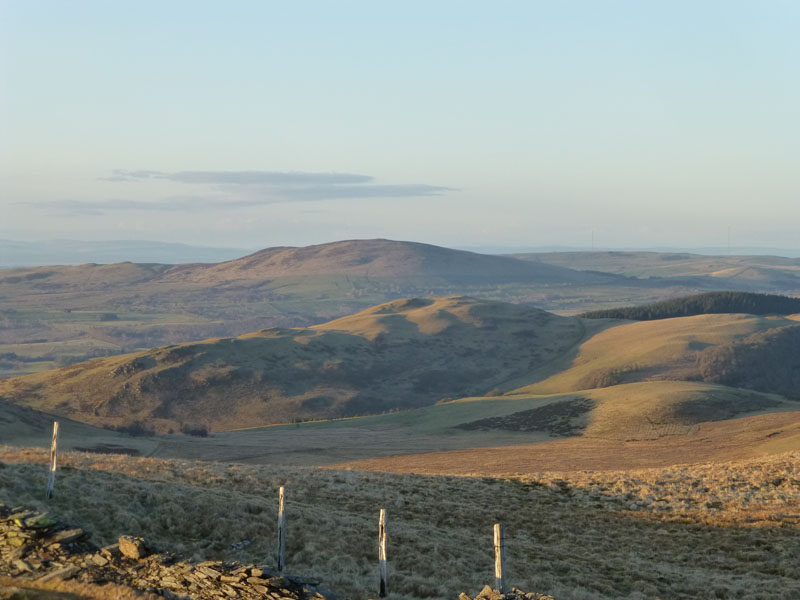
<point x="632" y="411"/>
<point x="655" y="409"/>
<point x="401" y="354"/>
<point x="663" y="349"/>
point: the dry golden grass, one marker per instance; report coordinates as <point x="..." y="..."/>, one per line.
<point x="579" y="536"/>
<point x="660" y="409"/>
<point x="758" y="492"/>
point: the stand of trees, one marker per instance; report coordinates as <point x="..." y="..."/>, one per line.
<point x="704" y="304"/>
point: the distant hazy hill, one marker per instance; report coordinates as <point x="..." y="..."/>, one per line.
<point x="380" y="259"/>
<point x="402" y="354"/>
<point x="746" y="272"/>
<point x="72" y="252"/>
<point x="704" y="304"/>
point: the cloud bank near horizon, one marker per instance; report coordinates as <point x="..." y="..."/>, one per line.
<point x="241" y="189"/>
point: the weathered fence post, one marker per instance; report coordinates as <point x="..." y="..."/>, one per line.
<point x="51" y="478"/>
<point x="499" y="558"/>
<point x="281" y="531"/>
<point x="384" y="585"/>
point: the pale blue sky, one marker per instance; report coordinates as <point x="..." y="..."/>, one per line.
<point x="458" y="123"/>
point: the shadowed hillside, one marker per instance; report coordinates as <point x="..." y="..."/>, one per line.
<point x="403" y="354"/>
<point x="766" y="361"/>
<point x="22" y="425"/>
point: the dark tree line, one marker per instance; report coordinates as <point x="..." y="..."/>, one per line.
<point x="703" y="304"/>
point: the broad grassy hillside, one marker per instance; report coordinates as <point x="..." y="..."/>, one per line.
<point x="705" y="531"/>
<point x="609" y="385"/>
<point x="399" y="355"/>
<point x="647" y="350"/>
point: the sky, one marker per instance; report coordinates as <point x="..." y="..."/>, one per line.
<point x="530" y="123"/>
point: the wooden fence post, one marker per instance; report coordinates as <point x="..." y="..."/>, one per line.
<point x="281" y="531"/>
<point x="499" y="558"/>
<point x="384" y="584"/>
<point x="51" y="479"/>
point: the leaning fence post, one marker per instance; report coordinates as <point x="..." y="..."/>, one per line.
<point x="499" y="558"/>
<point x="51" y="478"/>
<point x="384" y="586"/>
<point x="281" y="531"/>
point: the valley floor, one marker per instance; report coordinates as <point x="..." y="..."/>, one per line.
<point x="740" y="438"/>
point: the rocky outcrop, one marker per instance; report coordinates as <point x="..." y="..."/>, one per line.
<point x="487" y="593"/>
<point x="36" y="546"/>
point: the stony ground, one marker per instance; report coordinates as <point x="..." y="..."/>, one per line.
<point x="488" y="593"/>
<point x="37" y="547"/>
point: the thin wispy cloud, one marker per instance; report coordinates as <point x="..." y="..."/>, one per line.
<point x="225" y="190"/>
<point x="276" y="178"/>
